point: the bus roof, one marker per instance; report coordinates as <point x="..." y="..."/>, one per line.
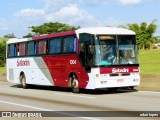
<point x="54" y="35"/>
<point x="106" y="31"/>
<point x="18" y="40"/>
<point x="91" y="30"/>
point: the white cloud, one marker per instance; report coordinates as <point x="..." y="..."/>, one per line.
<point x="71" y="14"/>
<point x="30" y="17"/>
<point x="55" y="5"/>
<point x="65" y="12"/>
<point x="28" y="12"/>
<point x="94" y="3"/>
<point x="130" y="2"/>
<point x="68" y="11"/>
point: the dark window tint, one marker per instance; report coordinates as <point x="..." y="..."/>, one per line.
<point x="69" y="44"/>
<point x="85" y="37"/>
<point x="31" y="49"/>
<point x="55" y="46"/>
<point x="12" y="50"/>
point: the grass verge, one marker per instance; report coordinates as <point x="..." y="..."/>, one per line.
<point x="149" y="61"/>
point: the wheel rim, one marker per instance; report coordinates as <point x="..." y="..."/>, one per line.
<point x="23" y="82"/>
<point x="75" y="86"/>
<point x="75" y="83"/>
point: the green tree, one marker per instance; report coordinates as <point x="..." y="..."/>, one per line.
<point x="144" y="33"/>
<point x="3" y="51"/>
<point x="10" y="35"/>
<point x="28" y="35"/>
<point x="157" y="38"/>
<point x="48" y="28"/>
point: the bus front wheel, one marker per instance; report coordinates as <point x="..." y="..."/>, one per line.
<point x="75" y="86"/>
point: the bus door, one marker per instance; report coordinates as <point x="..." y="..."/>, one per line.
<point x="85" y="50"/>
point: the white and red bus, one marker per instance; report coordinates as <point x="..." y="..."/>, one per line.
<point x="89" y="58"/>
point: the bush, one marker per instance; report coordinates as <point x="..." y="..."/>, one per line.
<point x="3" y="51"/>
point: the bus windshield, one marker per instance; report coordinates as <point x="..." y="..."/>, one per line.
<point x="115" y="50"/>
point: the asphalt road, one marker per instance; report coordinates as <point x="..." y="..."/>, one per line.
<point x="85" y="105"/>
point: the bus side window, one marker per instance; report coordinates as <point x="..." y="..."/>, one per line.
<point x="39" y="47"/>
<point x="51" y="46"/>
<point x="22" y="49"/>
<point x="75" y="44"/>
<point x="55" y="46"/>
<point x="31" y="48"/>
<point x="58" y="45"/>
<point x="8" y="50"/>
<point x="42" y="47"/>
<point x="15" y="50"/>
<point x="11" y="50"/>
<point x="35" y="48"/>
<point x="69" y="44"/>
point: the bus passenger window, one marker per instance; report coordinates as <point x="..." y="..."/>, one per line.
<point x="12" y="50"/>
<point x="22" y="49"/>
<point x="51" y="46"/>
<point x="55" y="46"/>
<point x="42" y="47"/>
<point x="39" y="48"/>
<point x="31" y="48"/>
<point x="35" y="48"/>
<point x="17" y="49"/>
<point x="68" y="44"/>
<point x="75" y="44"/>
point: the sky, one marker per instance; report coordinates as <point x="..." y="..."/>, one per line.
<point x="17" y="15"/>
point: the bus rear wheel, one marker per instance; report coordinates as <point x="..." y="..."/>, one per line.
<point x="23" y="81"/>
<point x="75" y="86"/>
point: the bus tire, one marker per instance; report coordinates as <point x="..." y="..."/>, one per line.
<point x="75" y="86"/>
<point x="23" y="81"/>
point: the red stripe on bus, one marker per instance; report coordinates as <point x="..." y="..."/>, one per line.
<point x="119" y="70"/>
<point x="54" y="35"/>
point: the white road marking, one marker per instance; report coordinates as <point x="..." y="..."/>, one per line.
<point x="154" y="92"/>
<point x="44" y="109"/>
<point x="27" y="106"/>
<point x="75" y="95"/>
